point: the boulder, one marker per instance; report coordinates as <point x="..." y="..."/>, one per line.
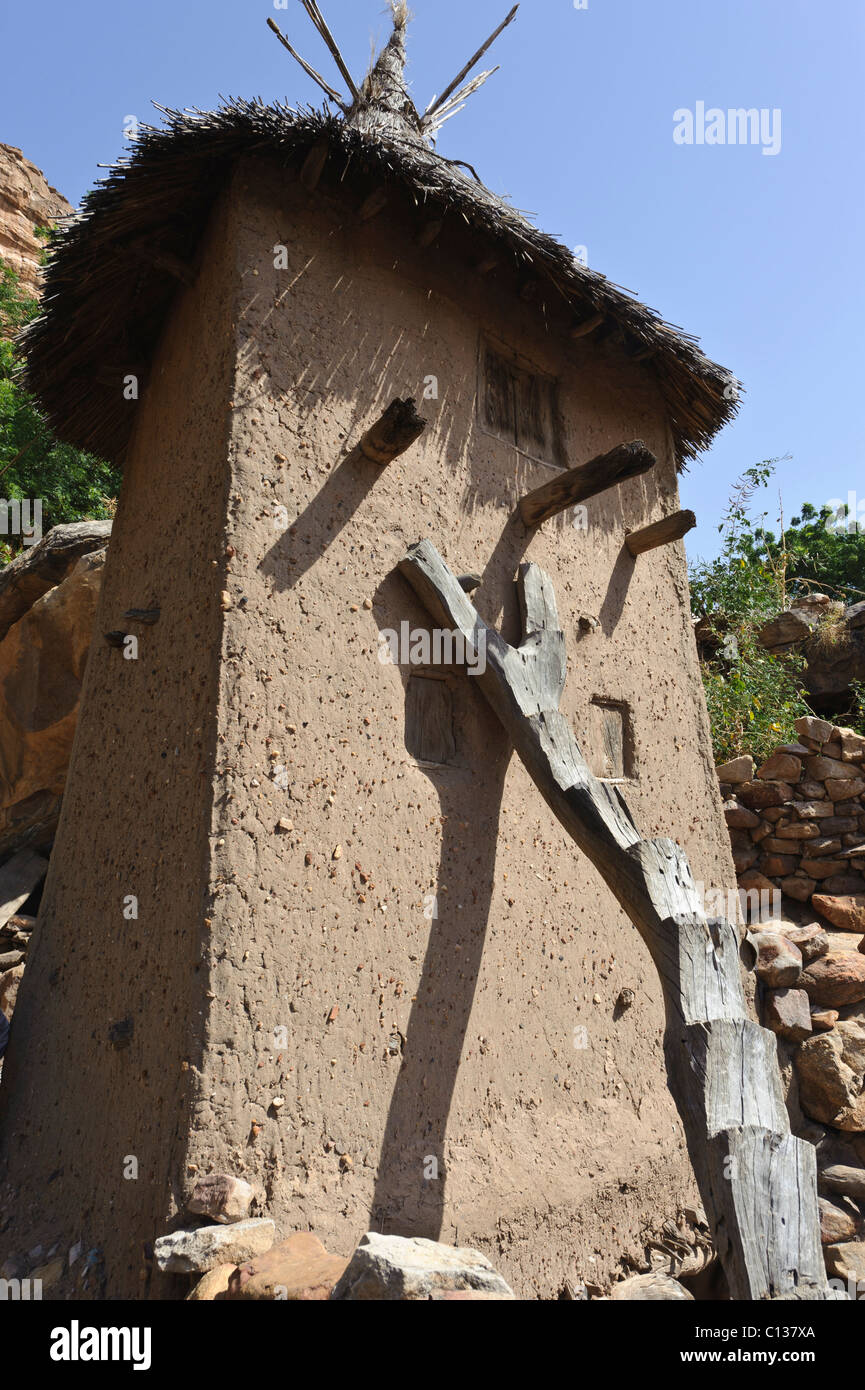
<point x="781" y="767"/>
<point x="778" y="865"/>
<point x="823" y="769"/>
<point x="42" y="662"/>
<point x="649" y="1288"/>
<point x="830" y="1068"/>
<point x="836" y="1224"/>
<point x="212" y="1285"/>
<point x="821" y="868"/>
<point x="19" y="876"/>
<point x="751" y="879"/>
<point x="773" y="844"/>
<point x="785" y="629"/>
<point x="196" y="1252"/>
<point x="811" y="940"/>
<point x="844" y="1181"/>
<point x="811" y="791"/>
<point x="737" y="770"/>
<point x="45" y="565"/>
<point x="758" y="794"/>
<point x="809" y="726"/>
<point x="845" y="913"/>
<point x="797" y="888"/>
<point x="744" y="857"/>
<point x="838" y="825"/>
<point x="847" y="1262"/>
<point x="846" y="885"/>
<point x="298" y="1270"/>
<point x="787" y="1013"/>
<point x="814" y="604"/>
<point x="9" y="982"/>
<point x="843" y="788"/>
<point x="824" y="847"/>
<point x="823" y="1020"/>
<point x="798" y="830"/>
<point x="398" y="1268"/>
<point x="779" y="962"/>
<point x="738" y="817"/>
<point x="835" y="979"/>
<point x="852" y="744"/>
<point x="221" y="1197"/>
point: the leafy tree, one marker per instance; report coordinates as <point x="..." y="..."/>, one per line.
<point x="825" y="550"/>
<point x="34" y="463"/>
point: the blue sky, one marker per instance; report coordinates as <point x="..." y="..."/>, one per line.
<point x="757" y="254"/>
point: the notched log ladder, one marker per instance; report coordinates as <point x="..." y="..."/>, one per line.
<point x="758" y="1182"/>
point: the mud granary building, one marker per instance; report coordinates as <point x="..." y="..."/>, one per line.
<point x="308" y="920"/>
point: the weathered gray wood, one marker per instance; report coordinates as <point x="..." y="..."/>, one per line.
<point x="764" y="1218"/>
<point x="321" y="25"/>
<point x="758" y="1183"/>
<point x="437" y="104"/>
<point x="308" y="69"/>
<point x="669" y="528"/>
<point x="429" y="720"/>
<point x="587" y="480"/>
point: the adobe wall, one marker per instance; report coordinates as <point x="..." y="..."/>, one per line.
<point x="297" y="1018"/>
<point x="80" y="1096"/>
<point x="407" y="1038"/>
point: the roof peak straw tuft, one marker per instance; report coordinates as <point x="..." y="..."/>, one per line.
<point x="385" y="106"/>
<point x="382" y="104"/>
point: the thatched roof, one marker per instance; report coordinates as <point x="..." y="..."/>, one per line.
<point x="110" y="282"/>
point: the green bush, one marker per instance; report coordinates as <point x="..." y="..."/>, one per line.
<point x="34" y="463"/>
<point x="753" y="698"/>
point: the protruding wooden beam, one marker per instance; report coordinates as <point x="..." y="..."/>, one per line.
<point x="373" y="205"/>
<point x="430" y="231"/>
<point x="580" y="330"/>
<point x="669" y="528"/>
<point x="487" y="263"/>
<point x="393" y="433"/>
<point x="313" y="166"/>
<point x="607" y="470"/>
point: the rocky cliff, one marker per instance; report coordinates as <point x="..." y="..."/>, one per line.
<point x="27" y="201"/>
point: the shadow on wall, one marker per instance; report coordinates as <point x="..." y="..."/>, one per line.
<point x="411" y="1182"/>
